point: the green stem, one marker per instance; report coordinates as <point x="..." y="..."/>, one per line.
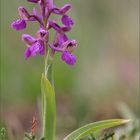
<point x="48" y="101"/>
<point x="48" y="68"/>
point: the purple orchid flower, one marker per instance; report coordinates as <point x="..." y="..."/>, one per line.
<point x="36" y="45"/>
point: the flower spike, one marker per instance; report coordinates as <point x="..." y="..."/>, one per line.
<point x="40" y="44"/>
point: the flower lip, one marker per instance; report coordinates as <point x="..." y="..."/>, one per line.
<point x="68" y="58"/>
<point x="19" y="24"/>
<point x="66" y="20"/>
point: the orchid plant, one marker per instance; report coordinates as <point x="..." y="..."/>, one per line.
<point x="40" y="44"/>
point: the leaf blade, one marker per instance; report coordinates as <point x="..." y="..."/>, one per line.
<point x="49" y="110"/>
<point x="87" y="129"/>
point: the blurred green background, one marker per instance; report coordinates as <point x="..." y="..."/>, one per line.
<point x="106" y="73"/>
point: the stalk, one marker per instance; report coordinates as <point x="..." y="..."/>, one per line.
<point x="48" y="100"/>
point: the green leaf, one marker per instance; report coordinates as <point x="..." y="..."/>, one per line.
<point x="49" y="109"/>
<point x="97" y="126"/>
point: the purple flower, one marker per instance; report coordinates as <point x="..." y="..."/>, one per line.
<point x="62" y="43"/>
<point x="19" y="24"/>
<point x="69" y="58"/>
<point x="65" y="46"/>
<point x="36" y="45"/>
<point x="36" y="48"/>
